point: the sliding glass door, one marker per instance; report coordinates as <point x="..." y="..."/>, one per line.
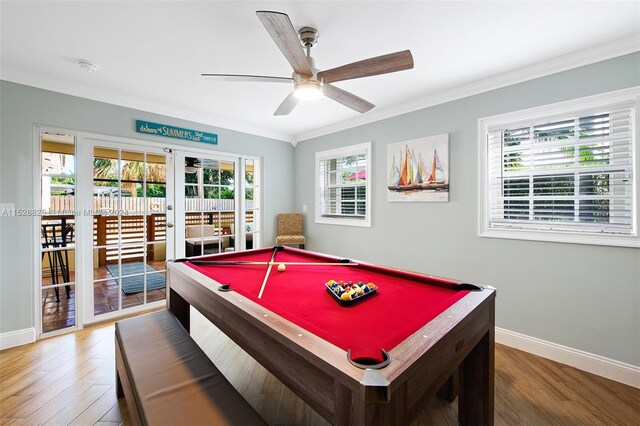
<point x="57" y="299"/>
<point x="107" y="226"/>
<point x="252" y="194"/>
<point x="132" y="220"/>
<point x="210" y="217"/>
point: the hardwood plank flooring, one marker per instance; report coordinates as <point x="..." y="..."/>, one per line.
<point x="70" y="379"/>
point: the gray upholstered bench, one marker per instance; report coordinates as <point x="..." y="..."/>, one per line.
<point x="167" y="379"/>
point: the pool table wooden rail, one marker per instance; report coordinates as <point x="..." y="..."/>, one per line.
<point x="458" y="340"/>
<point x="307" y="364"/>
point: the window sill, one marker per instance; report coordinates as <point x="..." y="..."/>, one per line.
<point x="562" y="237"/>
<point x="362" y="223"/>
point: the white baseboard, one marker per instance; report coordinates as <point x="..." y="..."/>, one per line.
<point x="595" y="364"/>
<point x="11" y="339"/>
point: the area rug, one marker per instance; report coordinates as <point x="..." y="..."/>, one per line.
<point x="135" y="284"/>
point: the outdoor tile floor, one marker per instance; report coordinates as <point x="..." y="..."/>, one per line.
<point x="57" y="315"/>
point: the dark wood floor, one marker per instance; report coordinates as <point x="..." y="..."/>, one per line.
<point x="69" y="379"/>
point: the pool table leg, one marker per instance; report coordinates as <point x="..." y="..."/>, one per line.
<point x="350" y="409"/>
<point x="449" y="390"/>
<point x="180" y="308"/>
<point x="476" y="388"/>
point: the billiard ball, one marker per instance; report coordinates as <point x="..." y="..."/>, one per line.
<point x="282" y="267"/>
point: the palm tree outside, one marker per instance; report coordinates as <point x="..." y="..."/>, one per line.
<point x="132" y="175"/>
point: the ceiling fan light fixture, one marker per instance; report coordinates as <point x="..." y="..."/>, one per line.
<point x="308" y="82"/>
<point x="190" y="169"/>
<point x="308" y="90"/>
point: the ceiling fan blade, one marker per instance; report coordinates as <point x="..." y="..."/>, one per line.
<point x="249" y="78"/>
<point x="287" y="105"/>
<point x="347" y="99"/>
<point x="373" y="66"/>
<point x="285" y="36"/>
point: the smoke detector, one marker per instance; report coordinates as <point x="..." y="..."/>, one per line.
<point x="88" y="66"/>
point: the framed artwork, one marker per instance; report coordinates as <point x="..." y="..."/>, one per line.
<point x="418" y="170"/>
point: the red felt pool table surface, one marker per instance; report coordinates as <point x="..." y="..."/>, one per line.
<point x="403" y="303"/>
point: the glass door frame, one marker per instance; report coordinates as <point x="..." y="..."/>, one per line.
<point x="239" y="195"/>
<point x="84" y="151"/>
<point x="88" y="143"/>
<point x="38" y="211"/>
<point x="181" y="217"/>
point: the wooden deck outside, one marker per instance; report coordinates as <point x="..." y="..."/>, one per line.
<point x="58" y="315"/>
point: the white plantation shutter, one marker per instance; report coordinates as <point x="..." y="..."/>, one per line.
<point x="342" y="185"/>
<point x="573" y="173"/>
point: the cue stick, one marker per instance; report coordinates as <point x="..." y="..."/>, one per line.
<point x="266" y="276"/>
<point x="222" y="263"/>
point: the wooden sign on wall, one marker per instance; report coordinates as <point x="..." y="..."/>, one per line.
<point x="175" y="132"/>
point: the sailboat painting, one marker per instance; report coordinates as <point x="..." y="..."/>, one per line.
<point x="418" y="169"/>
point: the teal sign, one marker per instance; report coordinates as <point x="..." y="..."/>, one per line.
<point x="175" y="132"/>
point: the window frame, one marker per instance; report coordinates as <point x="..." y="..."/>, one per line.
<point x="362" y="148"/>
<point x="606" y="101"/>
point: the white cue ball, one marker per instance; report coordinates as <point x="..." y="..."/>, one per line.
<point x="282" y="267"/>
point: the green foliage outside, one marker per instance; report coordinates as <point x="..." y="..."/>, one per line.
<point x="59" y="180"/>
<point x="557" y="185"/>
<point x="218" y="183"/>
<point x="106" y="170"/>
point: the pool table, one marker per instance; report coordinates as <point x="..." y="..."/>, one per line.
<point x="375" y="360"/>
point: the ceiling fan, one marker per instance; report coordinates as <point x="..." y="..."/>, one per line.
<point x="307" y="81"/>
<point x="191" y="165"/>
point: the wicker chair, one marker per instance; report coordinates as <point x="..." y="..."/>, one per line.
<point x="290" y="229"/>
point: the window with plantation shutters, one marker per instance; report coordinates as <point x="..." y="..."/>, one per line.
<point x="342" y="187"/>
<point x="570" y="173"/>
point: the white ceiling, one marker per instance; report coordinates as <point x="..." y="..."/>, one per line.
<point x="151" y="54"/>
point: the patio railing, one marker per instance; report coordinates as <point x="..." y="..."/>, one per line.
<point x="137" y="204"/>
<point x="132" y="232"/>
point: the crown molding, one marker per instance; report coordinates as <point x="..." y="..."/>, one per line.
<point x="562" y="63"/>
<point x="139" y="104"/>
<point x="574" y="60"/>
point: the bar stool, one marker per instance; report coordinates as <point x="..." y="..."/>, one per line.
<point x="55" y="235"/>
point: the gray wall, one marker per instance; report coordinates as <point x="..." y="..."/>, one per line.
<point x="22" y="106"/>
<point x="585" y="297"/>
